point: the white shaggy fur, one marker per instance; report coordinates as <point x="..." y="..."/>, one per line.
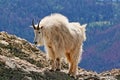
<point x="61" y="39"/>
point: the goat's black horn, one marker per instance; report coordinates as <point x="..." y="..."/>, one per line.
<point x="33" y="24"/>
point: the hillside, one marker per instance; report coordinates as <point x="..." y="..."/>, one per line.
<point x="21" y="60"/>
<point x="101" y="49"/>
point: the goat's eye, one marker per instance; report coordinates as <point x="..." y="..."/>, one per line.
<point x="39" y="32"/>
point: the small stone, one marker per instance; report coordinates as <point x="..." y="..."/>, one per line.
<point x="27" y="78"/>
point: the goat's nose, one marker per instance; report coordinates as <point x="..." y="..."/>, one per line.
<point x="35" y="42"/>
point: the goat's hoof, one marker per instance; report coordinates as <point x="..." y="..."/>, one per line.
<point x="57" y="69"/>
<point x="73" y="77"/>
<point x="68" y="74"/>
<point x="51" y="70"/>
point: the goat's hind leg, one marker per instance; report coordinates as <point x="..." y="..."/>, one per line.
<point x="73" y="58"/>
<point x="70" y="63"/>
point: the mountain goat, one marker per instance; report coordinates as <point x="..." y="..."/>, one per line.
<point x="61" y="39"/>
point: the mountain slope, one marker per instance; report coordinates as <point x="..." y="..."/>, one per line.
<point x="102" y="39"/>
<point x="103" y="52"/>
<point x="21" y="60"/>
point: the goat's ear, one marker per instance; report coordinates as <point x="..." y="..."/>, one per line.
<point x="38" y="27"/>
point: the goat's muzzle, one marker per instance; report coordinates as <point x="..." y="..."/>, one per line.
<point x="35" y="43"/>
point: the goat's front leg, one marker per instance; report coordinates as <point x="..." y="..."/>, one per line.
<point x="53" y="65"/>
<point x="58" y="64"/>
<point x="51" y="56"/>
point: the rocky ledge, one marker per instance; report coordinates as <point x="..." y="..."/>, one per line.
<point x="21" y="60"/>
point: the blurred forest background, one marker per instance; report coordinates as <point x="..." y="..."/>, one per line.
<point x="102" y="47"/>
